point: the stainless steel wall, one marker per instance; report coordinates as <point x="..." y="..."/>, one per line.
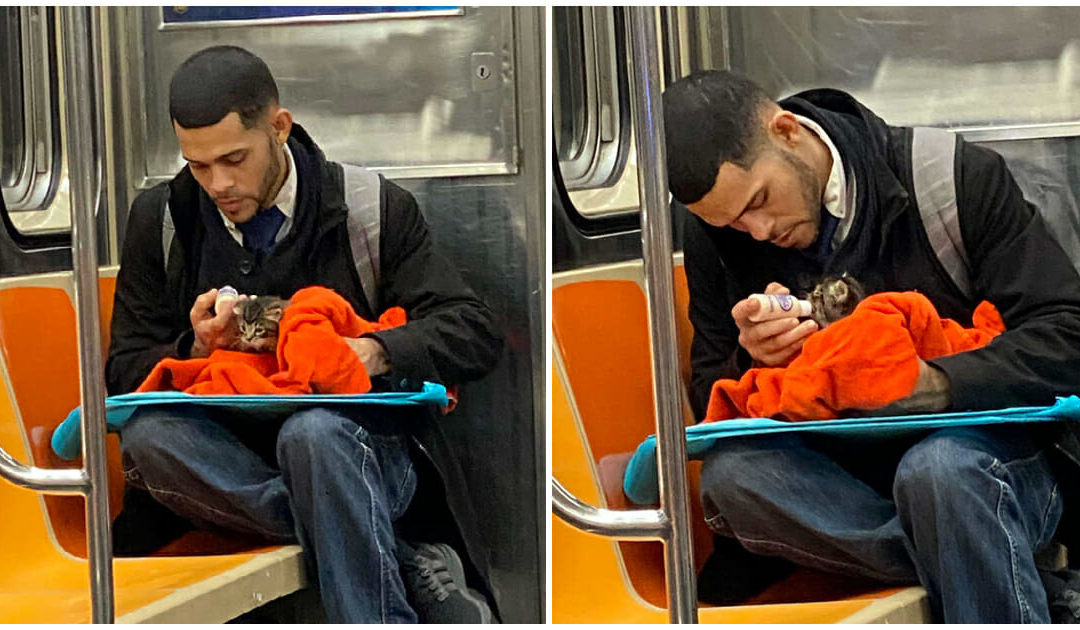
<point x="953" y="66"/>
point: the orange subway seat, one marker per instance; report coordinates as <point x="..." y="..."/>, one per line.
<point x="600" y="329"/>
<point x="47" y="579"/>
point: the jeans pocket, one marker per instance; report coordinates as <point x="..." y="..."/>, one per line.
<point x="132" y="476"/>
<point x="398" y="474"/>
<point x="1036" y="489"/>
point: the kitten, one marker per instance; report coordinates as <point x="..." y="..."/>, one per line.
<point x="257" y="319"/>
<point x="834" y="298"/>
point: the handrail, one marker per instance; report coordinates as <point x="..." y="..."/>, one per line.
<point x="620" y="524"/>
<point x="671" y="523"/>
<point x="84" y="167"/>
<point x="51" y="481"/>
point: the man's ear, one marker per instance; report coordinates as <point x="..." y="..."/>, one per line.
<point x="281" y="120"/>
<point x="784" y="128"/>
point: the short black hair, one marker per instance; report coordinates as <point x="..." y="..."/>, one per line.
<point x="217" y="81"/>
<point x="710" y="117"/>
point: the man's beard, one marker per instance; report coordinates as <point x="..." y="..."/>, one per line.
<point x="273" y="170"/>
<point x="808" y="183"/>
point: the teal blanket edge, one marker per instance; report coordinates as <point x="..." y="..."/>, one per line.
<point x="640" y="482"/>
<point x="67" y="438"/>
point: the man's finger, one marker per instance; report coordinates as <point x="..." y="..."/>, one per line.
<point x="764" y="331"/>
<point x="775" y="288"/>
<point x="782" y="357"/>
<point x="201" y="308"/>
<point x="742" y="311"/>
<point x="792" y="338"/>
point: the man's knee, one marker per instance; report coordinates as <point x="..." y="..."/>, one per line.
<point x="737" y="468"/>
<point x="307" y="434"/>
<point x="153" y="440"/>
<point x="151" y="433"/>
<point x="942" y="467"/>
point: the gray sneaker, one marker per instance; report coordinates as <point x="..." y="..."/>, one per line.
<point x="435" y="582"/>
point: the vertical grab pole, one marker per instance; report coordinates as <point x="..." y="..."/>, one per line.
<point x="659" y="292"/>
<point x="83" y="169"/>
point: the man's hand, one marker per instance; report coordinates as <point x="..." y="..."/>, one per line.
<point x="932" y="394"/>
<point x="775" y="342"/>
<point x="371" y="353"/>
<point x="212" y="331"/>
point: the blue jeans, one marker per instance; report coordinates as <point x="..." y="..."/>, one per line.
<point x="322" y="479"/>
<point x="961" y="511"/>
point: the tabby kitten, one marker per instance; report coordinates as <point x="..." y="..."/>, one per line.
<point x="257" y="319"/>
<point x="834" y="298"/>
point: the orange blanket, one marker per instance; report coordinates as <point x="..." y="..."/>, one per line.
<point x="867" y="360"/>
<point x="311" y="357"/>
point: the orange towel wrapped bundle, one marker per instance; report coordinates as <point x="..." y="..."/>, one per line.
<point x="311" y="357"/>
<point x="865" y="361"/>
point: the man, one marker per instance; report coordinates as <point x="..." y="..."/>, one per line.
<point x="783" y="193"/>
<point x="259" y="207"/>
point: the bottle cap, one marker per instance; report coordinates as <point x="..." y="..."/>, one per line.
<point x="224" y="294"/>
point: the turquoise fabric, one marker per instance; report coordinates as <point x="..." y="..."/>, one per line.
<point x="640" y="483"/>
<point x="67" y="438"/>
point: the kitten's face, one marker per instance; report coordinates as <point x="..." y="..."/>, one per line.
<point x="835" y="298"/>
<point x="257" y="319"/>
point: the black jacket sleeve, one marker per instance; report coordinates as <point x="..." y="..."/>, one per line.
<point x="1020" y="268"/>
<point x="715" y="352"/>
<point x="451" y="335"/>
<point x="144" y="324"/>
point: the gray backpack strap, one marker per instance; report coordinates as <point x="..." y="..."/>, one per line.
<point x="168" y="235"/>
<point x="933" y="175"/>
<point x="362" y="196"/>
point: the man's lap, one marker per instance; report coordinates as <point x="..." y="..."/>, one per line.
<point x="247" y="449"/>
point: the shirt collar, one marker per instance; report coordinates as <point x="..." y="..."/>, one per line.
<point x="286" y="197"/>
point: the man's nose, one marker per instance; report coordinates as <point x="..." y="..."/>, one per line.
<point x="758" y="227"/>
<point x="220" y="181"/>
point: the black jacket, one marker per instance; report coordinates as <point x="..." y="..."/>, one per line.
<point x="1016" y="265"/>
<point x="451" y="336"/>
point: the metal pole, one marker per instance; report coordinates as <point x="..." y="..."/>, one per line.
<point x="621" y="524"/>
<point x="673" y="58"/>
<point x="659" y="292"/>
<point x="84" y="169"/>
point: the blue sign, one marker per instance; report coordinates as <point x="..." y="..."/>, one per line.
<point x="187" y="15"/>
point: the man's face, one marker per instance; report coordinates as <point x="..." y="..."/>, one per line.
<point x="237" y="167"/>
<point x="777" y="200"/>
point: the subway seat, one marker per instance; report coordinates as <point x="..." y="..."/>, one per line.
<point x="602" y="409"/>
<point x="197" y="578"/>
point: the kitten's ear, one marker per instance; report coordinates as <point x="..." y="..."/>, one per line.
<point x="275" y="311"/>
<point x="237" y="310"/>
